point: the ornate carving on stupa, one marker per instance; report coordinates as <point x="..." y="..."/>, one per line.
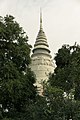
<point x="42" y="63"/>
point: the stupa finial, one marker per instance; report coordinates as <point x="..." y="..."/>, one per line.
<point x="41" y="19"/>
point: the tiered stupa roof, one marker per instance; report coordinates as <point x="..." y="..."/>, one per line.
<point x="41" y="41"/>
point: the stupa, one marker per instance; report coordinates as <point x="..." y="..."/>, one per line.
<point x="42" y="63"/>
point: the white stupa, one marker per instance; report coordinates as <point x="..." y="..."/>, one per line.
<point x="42" y="63"/>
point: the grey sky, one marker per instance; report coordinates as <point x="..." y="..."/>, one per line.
<point x="61" y="19"/>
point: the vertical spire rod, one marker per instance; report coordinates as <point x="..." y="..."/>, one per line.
<point x="40" y="19"/>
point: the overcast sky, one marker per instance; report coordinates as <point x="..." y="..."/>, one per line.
<point x="61" y="19"/>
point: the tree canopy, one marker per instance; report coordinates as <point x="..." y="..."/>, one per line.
<point x="16" y="78"/>
<point x="66" y="78"/>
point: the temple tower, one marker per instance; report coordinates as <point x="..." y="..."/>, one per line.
<point x="42" y="63"/>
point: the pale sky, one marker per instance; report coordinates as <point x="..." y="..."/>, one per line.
<point x="61" y="19"/>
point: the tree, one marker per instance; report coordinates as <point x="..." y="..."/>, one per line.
<point x="66" y="77"/>
<point x="55" y="103"/>
<point x="16" y="78"/>
<point x="67" y="73"/>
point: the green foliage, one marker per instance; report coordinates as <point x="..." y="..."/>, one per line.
<point x="62" y="58"/>
<point x="66" y="78"/>
<point x="67" y="73"/>
<point x="16" y="78"/>
<point x="40" y="109"/>
<point x="55" y="103"/>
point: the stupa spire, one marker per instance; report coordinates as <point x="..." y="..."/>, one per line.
<point x="41" y="40"/>
<point x="42" y="63"/>
<point x="41" y="19"/>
